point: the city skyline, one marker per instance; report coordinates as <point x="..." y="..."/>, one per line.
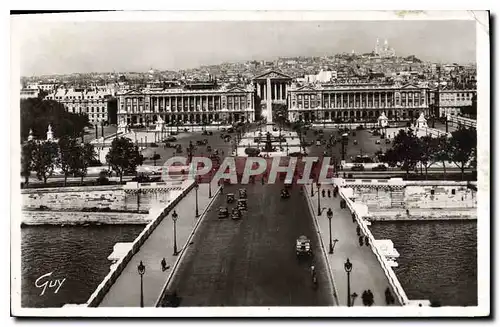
<point x="82" y="47"/>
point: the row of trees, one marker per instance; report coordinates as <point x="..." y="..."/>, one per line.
<point x="37" y="114"/>
<point x="44" y="157"/>
<point x="73" y="158"/>
<point x="408" y="150"/>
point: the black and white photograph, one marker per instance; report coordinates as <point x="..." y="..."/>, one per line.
<point x="172" y="164"/>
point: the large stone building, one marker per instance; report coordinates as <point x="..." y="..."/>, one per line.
<point x="195" y="103"/>
<point x="451" y="102"/>
<point x="94" y="103"/>
<point x="356" y="102"/>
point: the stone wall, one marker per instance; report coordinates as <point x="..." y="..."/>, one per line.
<point x="374" y="198"/>
<point x="439" y="196"/>
<point x="81" y="218"/>
<point x="414" y="195"/>
<point x="77" y="198"/>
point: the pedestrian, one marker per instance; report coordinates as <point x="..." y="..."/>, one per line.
<point x="370" y="298"/>
<point x="366" y="241"/>
<point x="358" y="230"/>
<point x="360" y="241"/>
<point x="364" y="298"/>
<point x="329" y="193"/>
<point x="323" y="193"/>
<point x="389" y="299"/>
<point x="163" y="264"/>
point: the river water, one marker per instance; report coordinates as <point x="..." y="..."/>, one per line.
<point x="78" y="254"/>
<point x="438" y="259"/>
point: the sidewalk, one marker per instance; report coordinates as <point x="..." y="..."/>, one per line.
<point x="125" y="292"/>
<point x="366" y="273"/>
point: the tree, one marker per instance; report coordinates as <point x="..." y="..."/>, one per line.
<point x="27" y="154"/>
<point x="429" y="146"/>
<point x="462" y="147"/>
<point x="86" y="156"/>
<point x="123" y="156"/>
<point x="405" y="150"/>
<point x="45" y="159"/>
<point x="69" y="156"/>
<point x="442" y="152"/>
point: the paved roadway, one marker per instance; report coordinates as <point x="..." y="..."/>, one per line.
<point x="252" y="262"/>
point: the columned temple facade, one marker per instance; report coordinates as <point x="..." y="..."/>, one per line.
<point x="271" y="88"/>
<point x="356" y="102"/>
<point x="338" y="103"/>
<point x="216" y="105"/>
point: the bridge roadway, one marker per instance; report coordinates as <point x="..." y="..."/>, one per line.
<point x="252" y="262"/>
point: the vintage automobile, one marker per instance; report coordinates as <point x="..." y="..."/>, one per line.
<point x="380" y="167"/>
<point x="236" y="214"/>
<point x="223" y="212"/>
<point x="303" y="246"/>
<point x="230" y="198"/>
<point x="377" y="141"/>
<point x="285" y="194"/>
<point x="171" y="139"/>
<point x="387" y="141"/>
<point x="318" y="142"/>
<point x="243" y="193"/>
<point x="358" y="167"/>
<point x="355" y="142"/>
<point x="242" y="204"/>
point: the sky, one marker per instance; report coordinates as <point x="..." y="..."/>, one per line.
<point x="81" y="47"/>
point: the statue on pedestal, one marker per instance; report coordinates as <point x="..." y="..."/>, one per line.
<point x="122" y="127"/>
<point x="50" y="134"/>
<point x="382" y="120"/>
<point x="421" y="122"/>
<point x="160" y="124"/>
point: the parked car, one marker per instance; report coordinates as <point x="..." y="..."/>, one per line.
<point x="303" y="246"/>
<point x="387" y="141"/>
<point x="285" y="194"/>
<point x="380" y="167"/>
<point x="377" y="141"/>
<point x="230" y="197"/>
<point x="355" y="142"/>
<point x="358" y="167"/>
<point x="236" y="214"/>
<point x="242" y="204"/>
<point x="223" y="212"/>
<point x="171" y="139"/>
<point x="243" y="193"/>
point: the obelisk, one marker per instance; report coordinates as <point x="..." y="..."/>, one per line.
<point x="269" y="103"/>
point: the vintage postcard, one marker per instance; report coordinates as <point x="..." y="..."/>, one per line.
<point x="184" y="164"/>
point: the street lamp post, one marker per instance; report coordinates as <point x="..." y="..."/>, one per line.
<point x="196" y="186"/>
<point x="319" y="204"/>
<point x="210" y="185"/>
<point x="348" y="269"/>
<point x="329" y="214"/>
<point x="141" y="269"/>
<point x="174" y="219"/>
